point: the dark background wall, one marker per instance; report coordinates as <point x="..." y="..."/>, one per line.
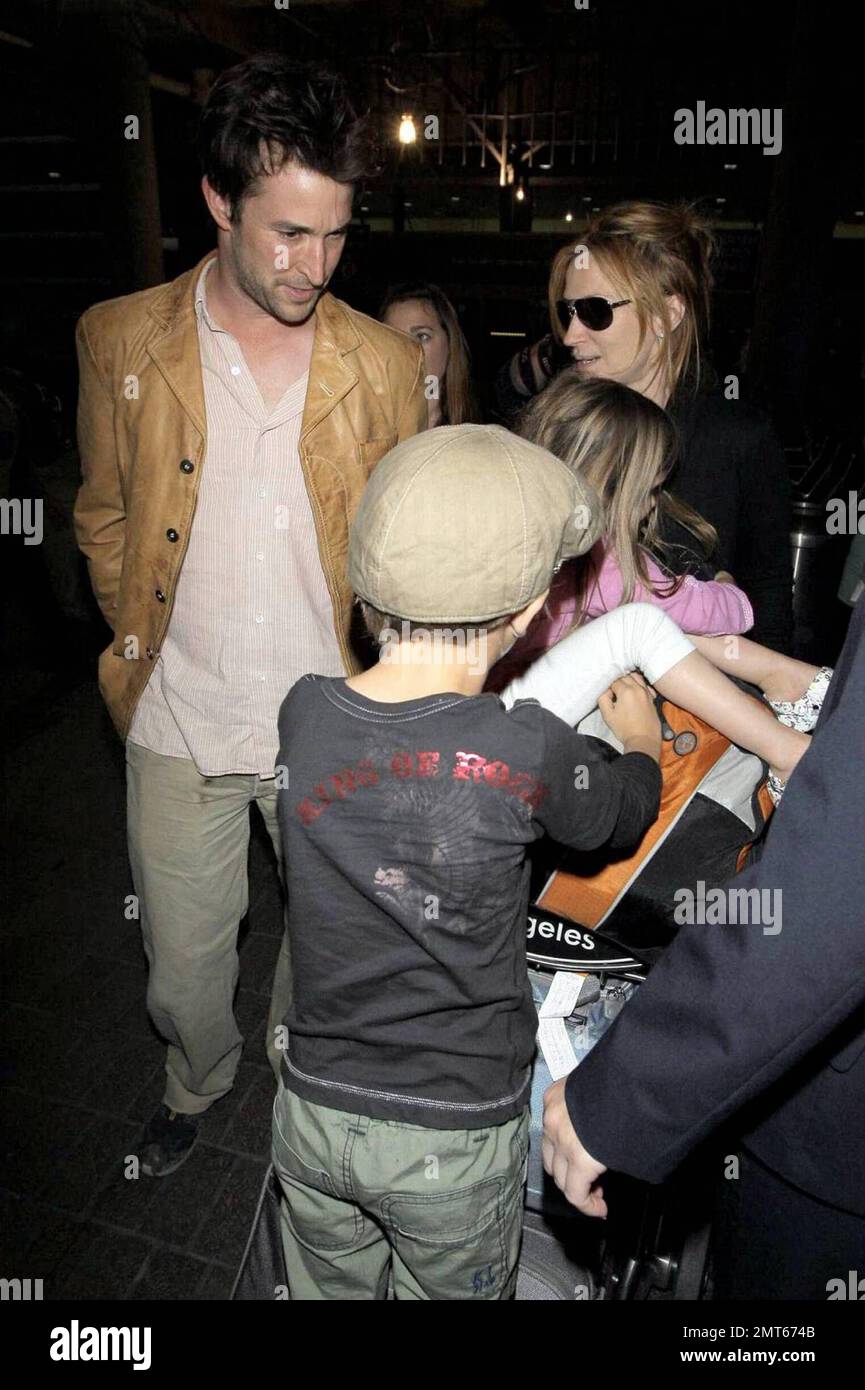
<point x="582" y="100"/>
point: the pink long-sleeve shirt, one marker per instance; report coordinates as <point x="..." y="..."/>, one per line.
<point x="705" y="607"/>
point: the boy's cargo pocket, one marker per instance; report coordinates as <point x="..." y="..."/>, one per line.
<point x="445" y="1218"/>
<point x="458" y="1245"/>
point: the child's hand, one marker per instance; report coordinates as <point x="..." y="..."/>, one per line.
<point x="628" y="708"/>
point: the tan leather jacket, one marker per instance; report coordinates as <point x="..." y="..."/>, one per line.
<point x="142" y="436"/>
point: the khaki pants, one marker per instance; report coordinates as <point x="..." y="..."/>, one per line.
<point x="441" y="1210"/>
<point x="188" y="845"/>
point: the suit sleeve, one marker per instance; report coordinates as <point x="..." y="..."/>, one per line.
<point x="730" y="1009"/>
<point x="100" y="510"/>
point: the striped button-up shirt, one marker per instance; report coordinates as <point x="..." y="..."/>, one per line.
<point x="252" y="612"/>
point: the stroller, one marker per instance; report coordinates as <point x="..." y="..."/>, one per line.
<point x="593" y="931"/>
<point x="655" y="1240"/>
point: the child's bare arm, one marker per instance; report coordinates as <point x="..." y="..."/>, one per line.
<point x="779" y="677"/>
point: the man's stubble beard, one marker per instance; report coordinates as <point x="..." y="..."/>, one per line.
<point x="261" y="295"/>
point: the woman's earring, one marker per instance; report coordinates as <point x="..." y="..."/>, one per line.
<point x="659" y="335"/>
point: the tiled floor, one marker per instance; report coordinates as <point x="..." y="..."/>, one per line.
<point x="82" y="1067"/>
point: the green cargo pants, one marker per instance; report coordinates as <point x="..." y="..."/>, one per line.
<point x="362" y="1199"/>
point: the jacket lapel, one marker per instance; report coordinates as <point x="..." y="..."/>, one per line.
<point x="174" y="348"/>
<point x="175" y="352"/>
<point x="330" y="376"/>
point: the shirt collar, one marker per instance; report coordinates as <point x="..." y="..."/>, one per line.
<point x="201" y="297"/>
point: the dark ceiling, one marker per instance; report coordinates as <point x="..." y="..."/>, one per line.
<point x="577" y="103"/>
<point x="589" y="93"/>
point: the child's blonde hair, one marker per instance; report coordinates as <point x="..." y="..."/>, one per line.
<point x="625" y="446"/>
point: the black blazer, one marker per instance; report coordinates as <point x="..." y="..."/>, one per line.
<point x="732" y="470"/>
<point x="734" y="1017"/>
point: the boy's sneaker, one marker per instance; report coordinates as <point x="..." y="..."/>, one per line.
<point x="802" y="714"/>
<point x="167" y="1142"/>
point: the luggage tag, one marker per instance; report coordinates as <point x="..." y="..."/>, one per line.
<point x="559" y="1004"/>
<point x="563" y="994"/>
<point x="555" y="1044"/>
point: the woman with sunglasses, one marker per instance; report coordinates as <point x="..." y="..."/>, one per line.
<point x="630" y="303"/>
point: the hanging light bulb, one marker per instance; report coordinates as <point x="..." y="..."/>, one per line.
<point x="520" y="195"/>
<point x="407" y="132"/>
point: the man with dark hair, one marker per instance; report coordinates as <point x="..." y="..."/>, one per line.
<point x="227" y="425"/>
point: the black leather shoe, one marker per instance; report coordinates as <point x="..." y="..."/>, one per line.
<point x="167" y="1142"/>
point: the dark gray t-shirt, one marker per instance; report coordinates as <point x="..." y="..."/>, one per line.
<point x="404" y="829"/>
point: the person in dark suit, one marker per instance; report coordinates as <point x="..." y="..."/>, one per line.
<point x="738" y="1016"/>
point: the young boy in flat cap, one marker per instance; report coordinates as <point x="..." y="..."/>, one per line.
<point x="400" y="1130"/>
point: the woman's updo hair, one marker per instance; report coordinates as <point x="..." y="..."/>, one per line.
<point x="649" y="251"/>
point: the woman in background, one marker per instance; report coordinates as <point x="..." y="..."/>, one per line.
<point x="424" y="312"/>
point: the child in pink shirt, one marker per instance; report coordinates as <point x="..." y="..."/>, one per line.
<point x="708" y="608"/>
<point x="600" y="619"/>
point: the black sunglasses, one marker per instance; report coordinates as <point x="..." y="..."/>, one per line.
<point x="593" y="311"/>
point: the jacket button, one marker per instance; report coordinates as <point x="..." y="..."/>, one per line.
<point x="150" y="652"/>
<point x="160" y="595"/>
<point x="186" y="465"/>
<point x="172" y="534"/>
